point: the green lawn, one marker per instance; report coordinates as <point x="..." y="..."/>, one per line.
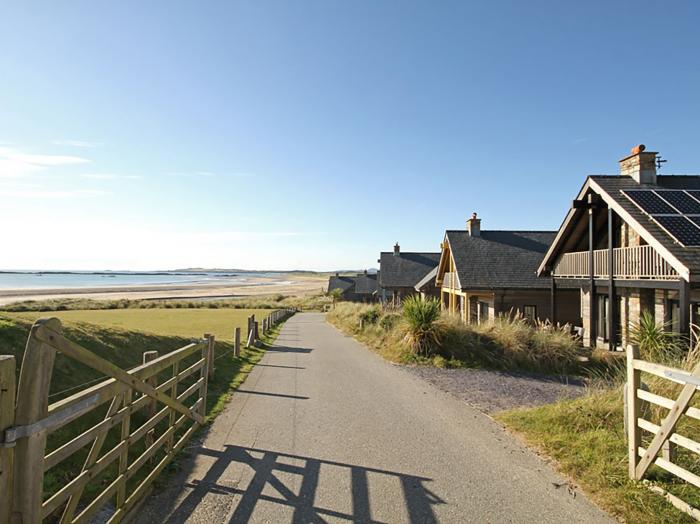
<point x="122" y="336"/>
<point x="169" y="322"/>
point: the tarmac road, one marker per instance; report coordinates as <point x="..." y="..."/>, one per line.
<point x="324" y="430"/>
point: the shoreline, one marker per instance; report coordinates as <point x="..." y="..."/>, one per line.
<point x="255" y="286"/>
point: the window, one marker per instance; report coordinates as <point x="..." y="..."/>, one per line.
<point x="483" y="311"/>
<point x="530" y="313"/>
<point x="603" y="311"/>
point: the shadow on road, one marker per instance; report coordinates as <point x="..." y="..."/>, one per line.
<point x="268" y="466"/>
<point x="286" y="349"/>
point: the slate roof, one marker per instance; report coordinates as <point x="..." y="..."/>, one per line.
<point x="405" y="269"/>
<point x="611" y="187"/>
<point x="499" y="259"/>
<point x="428" y="280"/>
<point x="365" y="284"/>
<point x="362" y="284"/>
<point x="342" y="283"/>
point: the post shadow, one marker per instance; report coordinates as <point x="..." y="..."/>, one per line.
<point x="417" y="498"/>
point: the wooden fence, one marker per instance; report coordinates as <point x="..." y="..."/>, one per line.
<point x="664" y="444"/>
<point x="133" y="422"/>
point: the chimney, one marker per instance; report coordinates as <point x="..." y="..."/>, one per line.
<point x="474" y="226"/>
<point x="397" y="249"/>
<point x="640" y="165"/>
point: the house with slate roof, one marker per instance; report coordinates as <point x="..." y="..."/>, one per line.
<point x="484" y="274"/>
<point x="631" y="243"/>
<point x="356" y="288"/>
<point x="399" y="272"/>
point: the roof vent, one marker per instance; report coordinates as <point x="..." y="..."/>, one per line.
<point x="397" y="249"/>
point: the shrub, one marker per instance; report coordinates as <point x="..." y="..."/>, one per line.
<point x="371" y="315"/>
<point x="389" y="321"/>
<point x="422" y="327"/>
<point x="656" y="342"/>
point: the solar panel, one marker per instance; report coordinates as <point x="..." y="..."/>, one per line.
<point x="682" y="201"/>
<point x="695" y="220"/>
<point x="650" y="202"/>
<point x="695" y="193"/>
<point x="681" y="228"/>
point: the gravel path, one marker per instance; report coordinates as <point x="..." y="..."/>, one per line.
<point x="492" y="391"/>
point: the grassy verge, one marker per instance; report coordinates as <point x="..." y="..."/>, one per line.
<point x="305" y="302"/>
<point x="586" y="439"/>
<point x="506" y="343"/>
<point x="125" y="347"/>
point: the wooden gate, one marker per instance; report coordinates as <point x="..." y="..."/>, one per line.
<point x="124" y="430"/>
<point x="661" y="449"/>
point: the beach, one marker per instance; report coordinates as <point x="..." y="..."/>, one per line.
<point x="286" y="284"/>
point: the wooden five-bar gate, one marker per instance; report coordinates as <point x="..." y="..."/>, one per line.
<point x="664" y="441"/>
<point x="119" y="434"/>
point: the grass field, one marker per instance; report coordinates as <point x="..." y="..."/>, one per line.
<point x="122" y="336"/>
<point x="168" y="322"/>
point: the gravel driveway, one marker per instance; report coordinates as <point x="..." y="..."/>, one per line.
<point x="492" y="391"/>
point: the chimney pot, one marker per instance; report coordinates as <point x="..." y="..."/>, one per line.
<point x="640" y="165"/>
<point x="397" y="249"/>
<point x="474" y="226"/>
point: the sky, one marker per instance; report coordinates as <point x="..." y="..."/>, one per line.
<point x="315" y="134"/>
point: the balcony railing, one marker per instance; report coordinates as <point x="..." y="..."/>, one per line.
<point x="633" y="263"/>
<point x="450" y="281"/>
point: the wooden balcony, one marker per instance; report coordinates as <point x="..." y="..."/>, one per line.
<point x="451" y="281"/>
<point x="631" y="263"/>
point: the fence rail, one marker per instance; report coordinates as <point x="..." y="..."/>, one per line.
<point x="637" y="263"/>
<point x="133" y="422"/>
<point x="661" y="450"/>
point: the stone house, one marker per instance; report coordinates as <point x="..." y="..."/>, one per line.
<point x="483" y="274"/>
<point x="631" y="243"/>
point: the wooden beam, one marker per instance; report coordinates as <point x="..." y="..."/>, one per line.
<point x="53" y="338"/>
<point x="32" y="406"/>
<point x="553" y="300"/>
<point x="7" y="419"/>
<point x="612" y="335"/>
<point x="684" y="309"/>
<point x="634" y="435"/>
<point x="592" y="313"/>
<point x="668" y="426"/>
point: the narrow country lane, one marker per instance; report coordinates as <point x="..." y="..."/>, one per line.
<point x="323" y="430"/>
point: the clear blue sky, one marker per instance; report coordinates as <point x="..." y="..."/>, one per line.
<point x="314" y="134"/>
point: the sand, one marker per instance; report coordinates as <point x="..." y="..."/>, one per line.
<point x="288" y="284"/>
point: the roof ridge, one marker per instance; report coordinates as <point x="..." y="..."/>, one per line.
<point x="503" y="231"/>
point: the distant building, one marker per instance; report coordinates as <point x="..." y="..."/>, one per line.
<point x="483" y="274"/>
<point x="400" y="273"/>
<point x="355" y="288"/>
<point x="631" y="244"/>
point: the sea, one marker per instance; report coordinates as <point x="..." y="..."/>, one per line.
<point x="89" y="279"/>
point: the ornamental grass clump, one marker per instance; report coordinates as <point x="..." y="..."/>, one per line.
<point x="422" y="326"/>
<point x="656" y="341"/>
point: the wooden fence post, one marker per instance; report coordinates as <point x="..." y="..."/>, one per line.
<point x="153" y="381"/>
<point x="210" y="347"/>
<point x="237" y="342"/>
<point x="152" y="405"/>
<point x="204" y="376"/>
<point x="256" y="331"/>
<point x="32" y="406"/>
<point x="7" y="419"/>
<point x="633" y="411"/>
